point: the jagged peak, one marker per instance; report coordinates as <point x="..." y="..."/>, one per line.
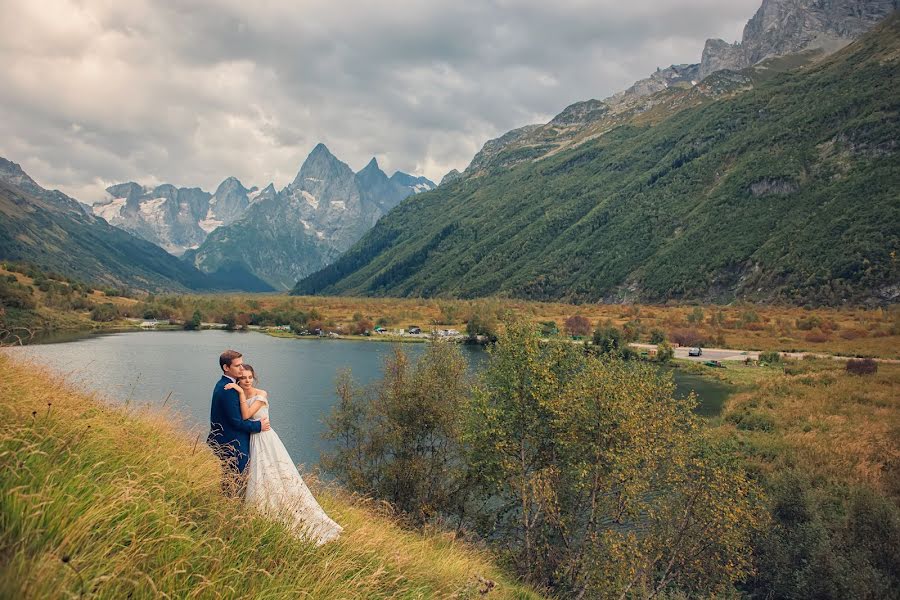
<point x="321" y="164"/>
<point x="231" y="183"/>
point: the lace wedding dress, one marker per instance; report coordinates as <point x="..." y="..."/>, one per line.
<point x="275" y="488"/>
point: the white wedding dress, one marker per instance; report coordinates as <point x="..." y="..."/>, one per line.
<point x="275" y="487"/>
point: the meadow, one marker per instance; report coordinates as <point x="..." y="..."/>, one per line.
<point x="113" y="502"/>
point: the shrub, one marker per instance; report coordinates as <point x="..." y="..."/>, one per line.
<point x="549" y="328"/>
<point x="808" y="323"/>
<point x="862" y="366"/>
<point x="817" y="336"/>
<point x="608" y="339"/>
<point x="687" y="337"/>
<point x="104" y="312"/>
<point x="695" y="316"/>
<point x="362" y="327"/>
<point x="852" y="334"/>
<point x="657" y="336"/>
<point x="578" y="325"/>
<point x="664" y="352"/>
<point x="770" y="358"/>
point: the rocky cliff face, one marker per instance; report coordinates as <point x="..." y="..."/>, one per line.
<point x="782" y="27"/>
<point x="287" y="235"/>
<point x="174" y="218"/>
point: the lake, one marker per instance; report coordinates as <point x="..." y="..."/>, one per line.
<point x="177" y="370"/>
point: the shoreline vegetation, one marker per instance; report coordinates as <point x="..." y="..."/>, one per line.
<point x="113" y="501"/>
<point x="36" y="302"/>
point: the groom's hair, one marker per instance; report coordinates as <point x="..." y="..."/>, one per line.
<point x="226" y="357"/>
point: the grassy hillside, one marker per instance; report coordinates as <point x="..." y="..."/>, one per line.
<point x="786" y="192"/>
<point x="115" y="502"/>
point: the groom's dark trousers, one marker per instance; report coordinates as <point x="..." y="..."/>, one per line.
<point x="229" y="434"/>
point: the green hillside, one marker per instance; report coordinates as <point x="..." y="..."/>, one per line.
<point x="786" y="192"/>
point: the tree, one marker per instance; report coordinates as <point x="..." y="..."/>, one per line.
<point x="195" y="322"/>
<point x="510" y="436"/>
<point x="104" y="312"/>
<point x="602" y="480"/>
<point x="696" y="316"/>
<point x="449" y="312"/>
<point x="607" y="339"/>
<point x="664" y="352"/>
<point x="657" y="336"/>
<point x="398" y="439"/>
<point x="578" y="325"/>
<point x="482" y="321"/>
<point x="549" y="328"/>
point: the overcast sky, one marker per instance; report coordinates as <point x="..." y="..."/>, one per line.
<point x="96" y="92"/>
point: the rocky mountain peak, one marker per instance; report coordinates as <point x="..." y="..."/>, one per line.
<point x="231" y="185"/>
<point x="786" y="26"/>
<point x="12" y="173"/>
<point x="321" y="165"/>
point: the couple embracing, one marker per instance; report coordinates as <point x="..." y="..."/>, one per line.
<point x="241" y="436"/>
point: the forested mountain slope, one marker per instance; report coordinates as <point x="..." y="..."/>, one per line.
<point x="784" y="192"/>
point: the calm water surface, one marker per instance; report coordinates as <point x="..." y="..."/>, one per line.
<point x="178" y="369"/>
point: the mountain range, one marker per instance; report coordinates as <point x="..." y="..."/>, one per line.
<point x="775" y="182"/>
<point x="58" y="233"/>
<point x="284" y="236"/>
<point x="174" y="218"/>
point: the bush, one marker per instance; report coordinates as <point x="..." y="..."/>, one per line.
<point x="688" y="337"/>
<point x="808" y="323"/>
<point x="770" y="358"/>
<point x="362" y="327"/>
<point x="578" y="325"/>
<point x="664" y="352"/>
<point x="608" y="340"/>
<point x="817" y="336"/>
<point x="852" y="334"/>
<point x="862" y="366"/>
<point x="549" y="328"/>
<point x="105" y="312"/>
<point x="16" y="295"/>
<point x="657" y="336"/>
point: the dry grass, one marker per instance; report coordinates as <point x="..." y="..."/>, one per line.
<point x="823" y="420"/>
<point x="108" y="502"/>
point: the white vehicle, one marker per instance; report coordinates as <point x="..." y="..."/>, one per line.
<point x="695" y="352"/>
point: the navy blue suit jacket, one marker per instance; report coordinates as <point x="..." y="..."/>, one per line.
<point x="229" y="434"/>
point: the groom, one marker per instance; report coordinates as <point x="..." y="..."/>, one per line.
<point x="229" y="434"/>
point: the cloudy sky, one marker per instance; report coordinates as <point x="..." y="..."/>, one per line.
<point x="96" y="92"/>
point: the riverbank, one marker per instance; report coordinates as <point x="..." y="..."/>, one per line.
<point x="112" y="503"/>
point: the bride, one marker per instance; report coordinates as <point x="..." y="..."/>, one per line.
<point x="274" y="486"/>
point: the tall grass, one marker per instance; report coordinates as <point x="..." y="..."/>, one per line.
<point x="102" y="501"/>
<point x="819" y="418"/>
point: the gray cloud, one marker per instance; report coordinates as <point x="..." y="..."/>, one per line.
<point x="97" y="92"/>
